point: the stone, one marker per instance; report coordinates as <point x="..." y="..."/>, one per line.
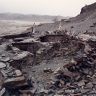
<point x="84" y="91"/>
<point x="57" y="70"/>
<point x="68" y="73"/>
<point x="73" y="61"/>
<point x="58" y="95"/>
<point x="28" y="40"/>
<point x="89" y="85"/>
<point x="2" y="91"/>
<point x="28" y="92"/>
<point x="43" y="91"/>
<point x="2" y="65"/>
<point x="60" y="92"/>
<point x="47" y="70"/>
<point x="21" y="55"/>
<point x="78" y="94"/>
<point x="14" y="80"/>
<point x="8" y="72"/>
<point x="18" y="72"/>
<point x="69" y="91"/>
<point x="81" y="83"/>
<point x="5" y="59"/>
<point x="94" y="81"/>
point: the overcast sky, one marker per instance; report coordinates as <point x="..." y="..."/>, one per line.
<point x="44" y="7"/>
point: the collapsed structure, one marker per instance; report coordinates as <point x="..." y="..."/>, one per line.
<point x="75" y="77"/>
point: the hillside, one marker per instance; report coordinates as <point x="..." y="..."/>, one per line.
<point x="85" y="22"/>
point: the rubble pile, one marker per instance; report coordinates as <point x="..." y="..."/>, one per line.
<point x="22" y="59"/>
<point x="78" y="77"/>
<point x="12" y="79"/>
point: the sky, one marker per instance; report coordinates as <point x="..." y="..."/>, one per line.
<point x="44" y="7"/>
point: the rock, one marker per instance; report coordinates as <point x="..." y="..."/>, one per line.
<point x="15" y="49"/>
<point x="12" y="36"/>
<point x="1" y="80"/>
<point x="21" y="60"/>
<point x="89" y="85"/>
<point x="78" y="94"/>
<point x="58" y="95"/>
<point x="94" y="81"/>
<point x="57" y="70"/>
<point x="44" y="91"/>
<point x="47" y="70"/>
<point x="21" y="55"/>
<point x="68" y="73"/>
<point x="77" y="78"/>
<point x="8" y="72"/>
<point x="4" y="59"/>
<point x="9" y="47"/>
<point x="93" y="91"/>
<point x="2" y="91"/>
<point x="84" y="91"/>
<point x="87" y="49"/>
<point x="73" y="61"/>
<point x="18" y="39"/>
<point x="60" y="92"/>
<point x="86" y="71"/>
<point x="28" y="40"/>
<point x="27" y="92"/>
<point x="51" y="92"/>
<point x="18" y="72"/>
<point x="2" y="65"/>
<point x="68" y="91"/>
<point x="14" y="80"/>
<point x="81" y="83"/>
